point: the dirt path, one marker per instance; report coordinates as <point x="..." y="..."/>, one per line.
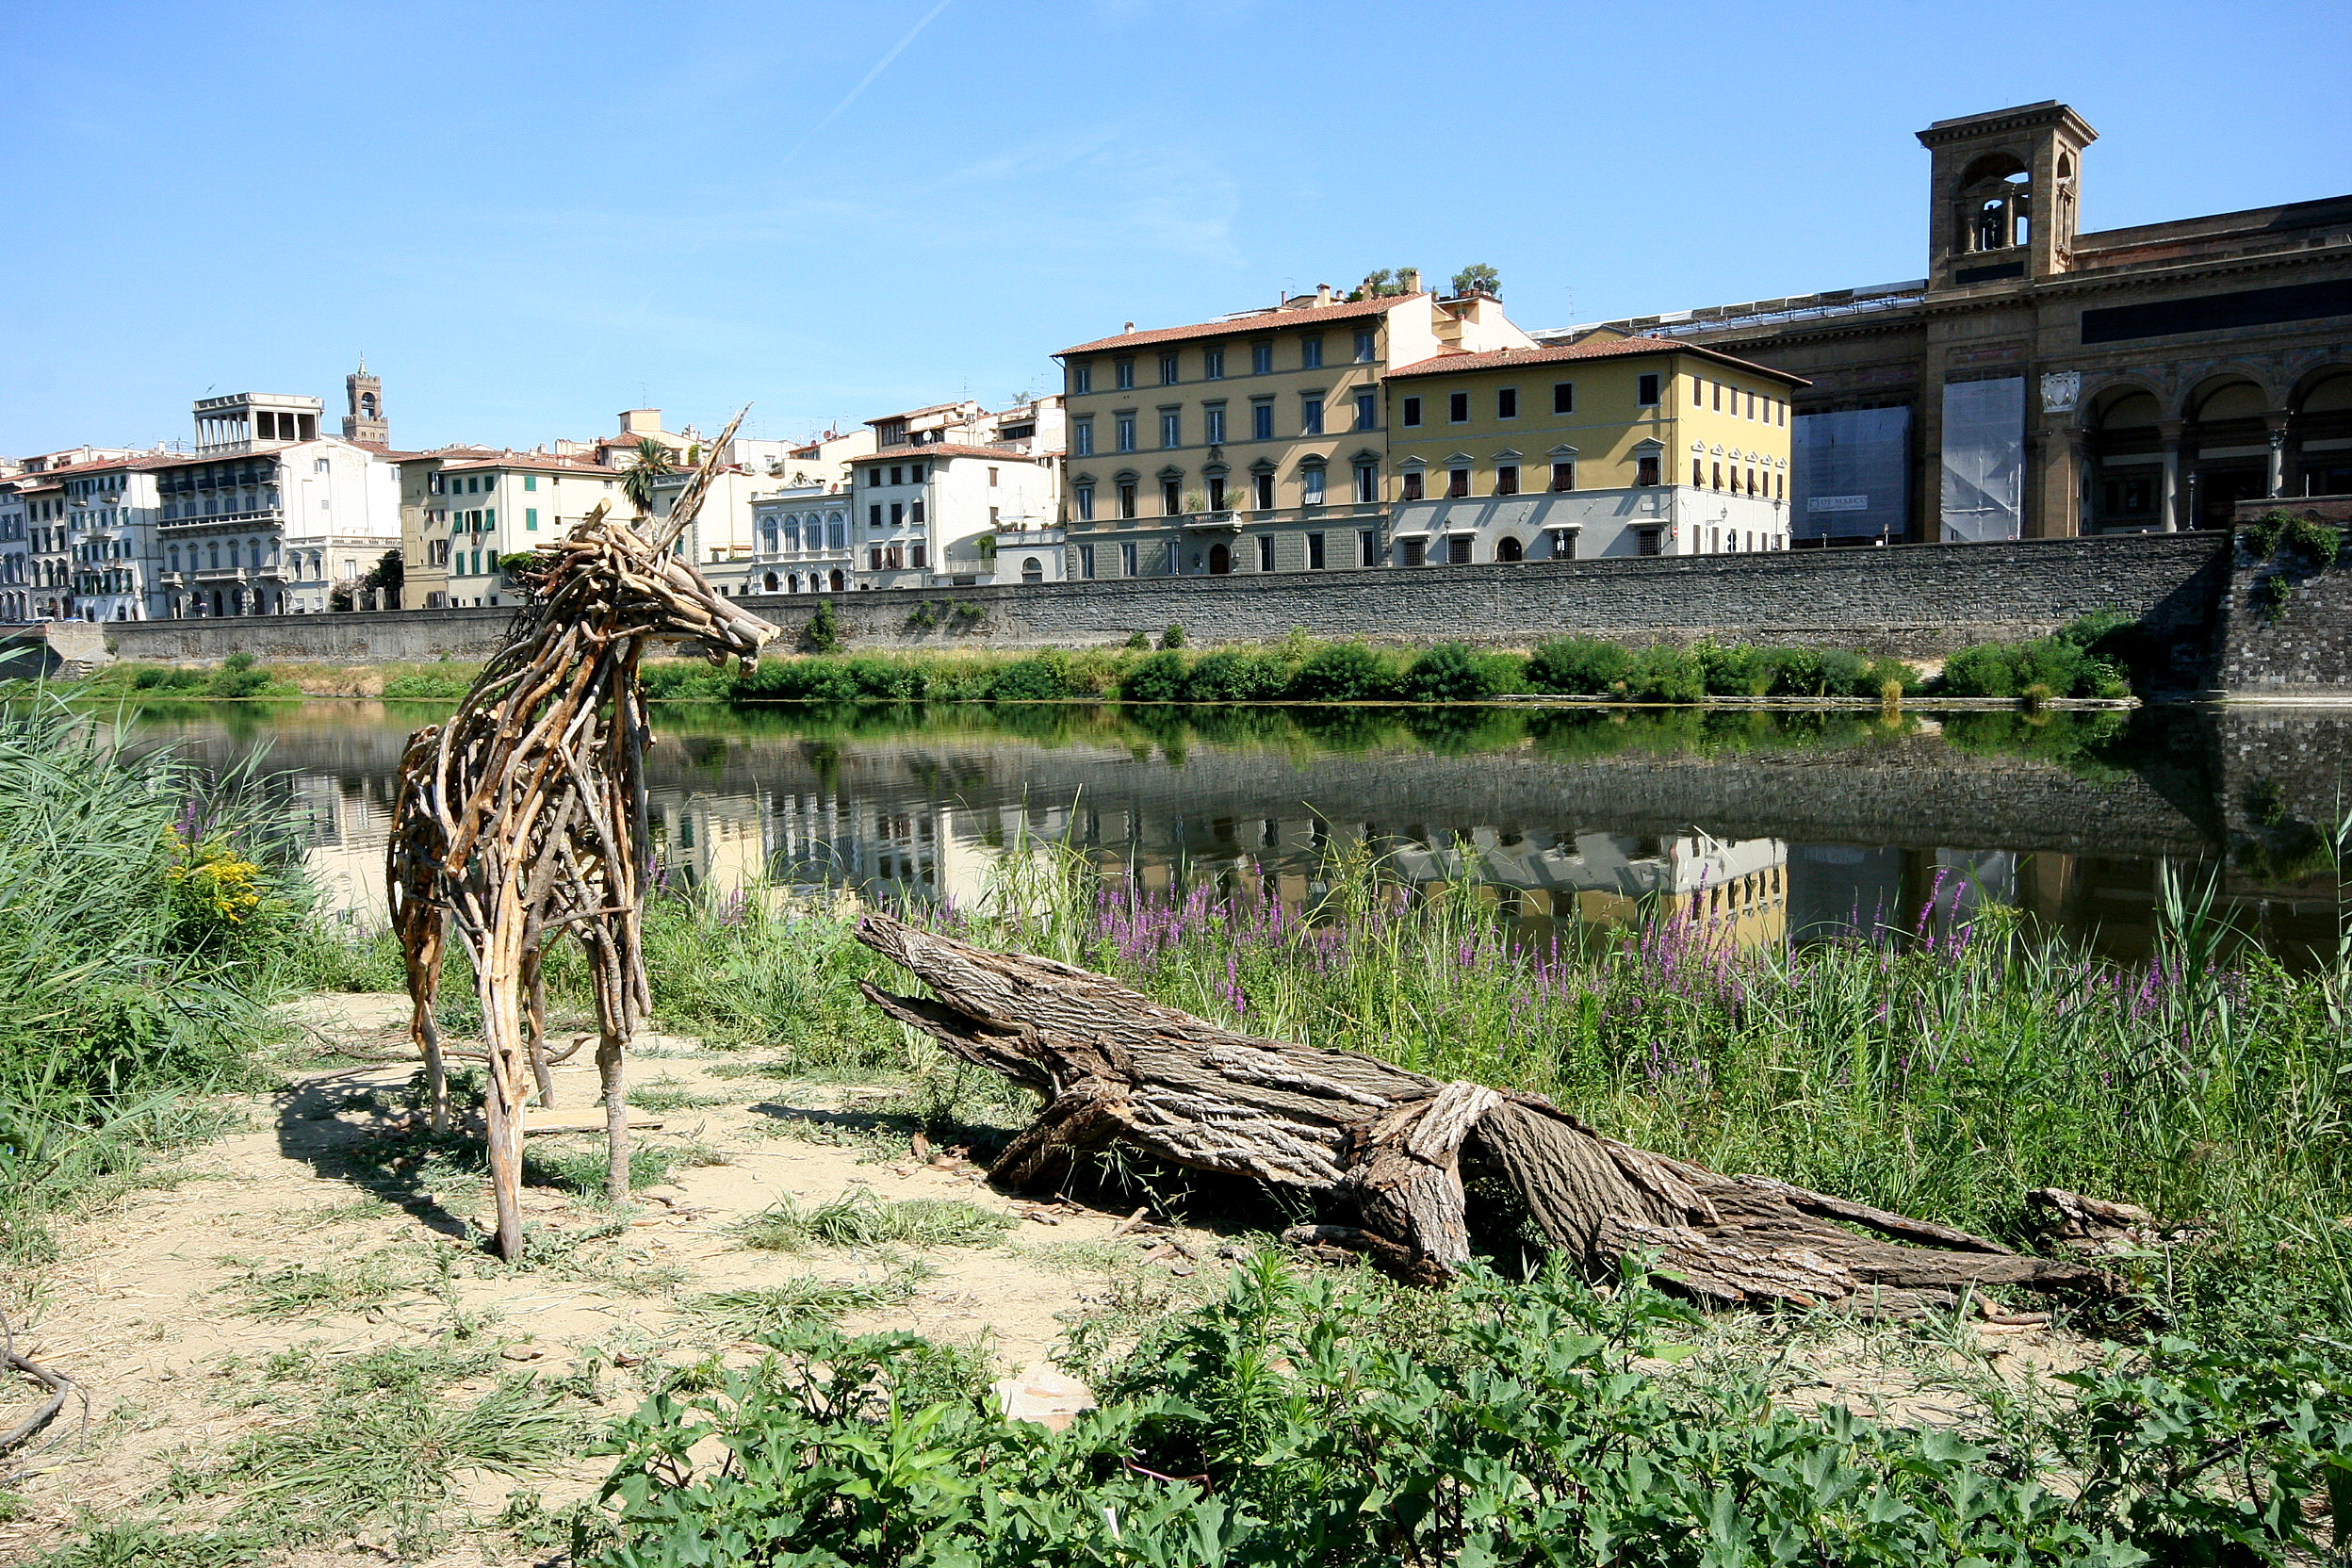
<point x="209" y="1308"/>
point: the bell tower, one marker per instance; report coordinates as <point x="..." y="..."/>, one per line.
<point x="366" y="422"/>
<point x="2005" y="194"/>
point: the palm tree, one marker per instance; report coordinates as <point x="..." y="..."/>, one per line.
<point x="645" y="470"/>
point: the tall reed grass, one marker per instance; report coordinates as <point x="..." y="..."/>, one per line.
<point x="145" y="915"/>
<point x="1941" y="1069"/>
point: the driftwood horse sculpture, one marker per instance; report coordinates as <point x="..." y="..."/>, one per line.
<point x="524" y="817"/>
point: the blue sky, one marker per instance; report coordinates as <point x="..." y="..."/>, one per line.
<point x="530" y="217"/>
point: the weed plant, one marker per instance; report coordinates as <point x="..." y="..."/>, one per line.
<point x="859" y="1218"/>
<point x="1303" y="1421"/>
<point x="748" y="1313"/>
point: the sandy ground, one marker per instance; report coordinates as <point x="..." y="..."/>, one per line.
<point x="158" y="1305"/>
<point x="148" y="1310"/>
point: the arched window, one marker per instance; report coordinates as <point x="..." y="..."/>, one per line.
<point x="837" y="580"/>
<point x="1032" y="569"/>
<point x="1509" y="548"/>
<point x="771" y="581"/>
<point x="795" y="582"/>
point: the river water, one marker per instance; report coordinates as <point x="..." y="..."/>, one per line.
<point x="1775" y="825"/>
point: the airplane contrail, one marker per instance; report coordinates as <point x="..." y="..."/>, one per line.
<point x="867" y="80"/>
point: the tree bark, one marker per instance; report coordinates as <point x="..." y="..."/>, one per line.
<point x="1389" y="1146"/>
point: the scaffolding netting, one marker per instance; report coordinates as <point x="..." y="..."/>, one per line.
<point x="1983" y="459"/>
<point x="1851" y="473"/>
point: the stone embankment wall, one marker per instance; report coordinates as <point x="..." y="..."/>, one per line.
<point x="2302" y="649"/>
<point x="1914" y="600"/>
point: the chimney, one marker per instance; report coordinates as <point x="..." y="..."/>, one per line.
<point x="1413" y="279"/>
<point x="1125" y="330"/>
<point x="1322" y="295"/>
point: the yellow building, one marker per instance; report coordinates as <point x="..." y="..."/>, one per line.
<point x="1254" y="442"/>
<point x="1606" y="447"/>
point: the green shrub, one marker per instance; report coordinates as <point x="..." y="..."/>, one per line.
<point x="1579" y="666"/>
<point x="1231" y="675"/>
<point x="1736" y="671"/>
<point x="1174" y="637"/>
<point x="427" y="686"/>
<point x="1451" y="673"/>
<point x="1040" y="680"/>
<point x="1985" y="670"/>
<point x="799" y="680"/>
<point x="884" y="679"/>
<point x="823" y="634"/>
<point x="1343" y="672"/>
<point x="168" y="677"/>
<point x="2056" y="665"/>
<point x="1139" y="641"/>
<point x="673" y="681"/>
<point x="2318" y="543"/>
<point x="1846" y="674"/>
<point x="1665" y="674"/>
<point x="239" y="676"/>
<point x="1159" y="677"/>
<point x="1796" y="672"/>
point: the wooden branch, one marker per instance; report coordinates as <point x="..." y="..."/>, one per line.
<point x="1389" y="1147"/>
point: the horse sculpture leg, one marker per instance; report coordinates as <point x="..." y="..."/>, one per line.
<point x="424" y="993"/>
<point x="502" y="1040"/>
<point x="535" y="1017"/>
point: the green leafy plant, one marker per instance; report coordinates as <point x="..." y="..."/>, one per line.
<point x="823" y="633"/>
<point x="1158" y="678"/>
<point x="1343" y="672"/>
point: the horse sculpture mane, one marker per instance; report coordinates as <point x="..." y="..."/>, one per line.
<point x="524" y="816"/>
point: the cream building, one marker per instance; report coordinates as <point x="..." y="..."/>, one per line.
<point x="1610" y="446"/>
<point x="471" y="507"/>
<point x="1268" y="423"/>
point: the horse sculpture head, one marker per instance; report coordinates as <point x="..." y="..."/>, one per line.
<point x="608" y="574"/>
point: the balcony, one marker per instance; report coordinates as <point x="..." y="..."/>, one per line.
<point x="269" y="516"/>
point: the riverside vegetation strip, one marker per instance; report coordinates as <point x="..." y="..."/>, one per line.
<point x="1939" y="1069"/>
<point x="2099" y="656"/>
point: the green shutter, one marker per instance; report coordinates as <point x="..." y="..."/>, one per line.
<point x="531" y="516"/>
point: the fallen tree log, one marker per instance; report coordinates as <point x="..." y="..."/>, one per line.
<point x="1390" y="1147"/>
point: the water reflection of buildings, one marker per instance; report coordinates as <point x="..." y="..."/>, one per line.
<point x="1807" y="842"/>
<point x="345" y="823"/>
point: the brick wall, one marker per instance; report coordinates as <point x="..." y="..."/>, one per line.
<point x="2303" y="649"/>
<point x="1919" y="600"/>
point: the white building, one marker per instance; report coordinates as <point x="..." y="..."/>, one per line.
<point x="267" y="516"/>
<point x="1035" y="553"/>
<point x="16" y="597"/>
<point x="926" y="515"/>
<point x="800" y="543"/>
<point x="77" y="540"/>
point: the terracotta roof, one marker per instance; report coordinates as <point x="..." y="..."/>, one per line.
<point x="1257" y="320"/>
<point x="942" y="448"/>
<point x="927" y="408"/>
<point x="1614" y="348"/>
<point x="525" y="460"/>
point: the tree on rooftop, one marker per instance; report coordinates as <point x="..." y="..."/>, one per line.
<point x="1384" y="283"/>
<point x="1478" y="278"/>
<point x="645" y="470"/>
